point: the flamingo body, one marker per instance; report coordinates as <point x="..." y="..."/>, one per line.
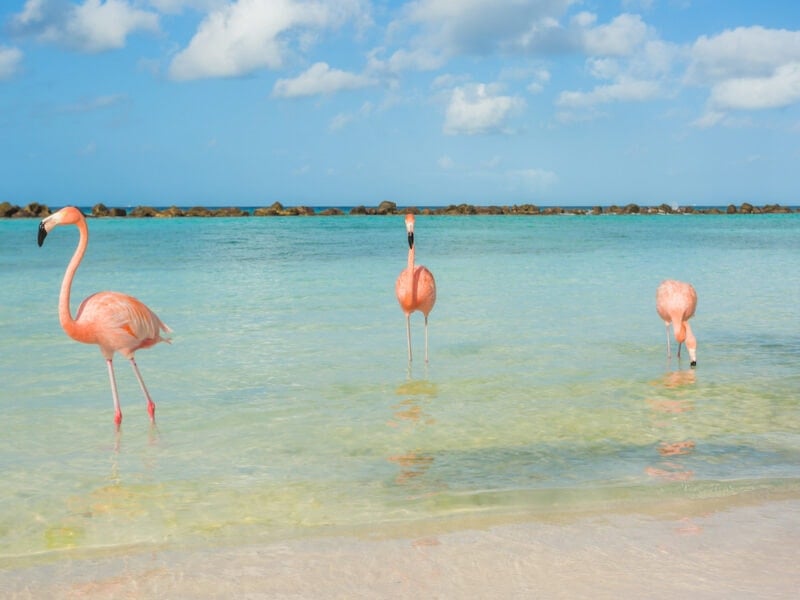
<point x="115" y="322"/>
<point x="415" y="289"/>
<point x="676" y="302"/>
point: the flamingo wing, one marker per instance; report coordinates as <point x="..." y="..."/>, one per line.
<point x="118" y="322"/>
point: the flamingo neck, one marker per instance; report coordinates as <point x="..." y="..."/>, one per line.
<point x="64" y="315"/>
<point x="411" y="262"/>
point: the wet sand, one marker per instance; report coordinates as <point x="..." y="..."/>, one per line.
<point x="743" y="552"/>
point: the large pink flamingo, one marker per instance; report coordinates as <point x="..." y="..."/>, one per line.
<point x="415" y="289"/>
<point x="113" y="321"/>
<point x="676" y="302"/>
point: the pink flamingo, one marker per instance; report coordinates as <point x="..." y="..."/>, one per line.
<point x="676" y="302"/>
<point x="113" y="321"/>
<point x="415" y="289"/>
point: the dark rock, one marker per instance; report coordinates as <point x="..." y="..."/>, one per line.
<point x="100" y="210"/>
<point x="7" y="210"/>
<point x="230" y="211"/>
<point x="37" y="210"/>
<point x="331" y="211"/>
<point x="172" y="211"/>
<point x="197" y="211"/>
<point x="746" y="208"/>
<point x="144" y="211"/>
<point x="358" y="210"/>
<point x="387" y="207"/>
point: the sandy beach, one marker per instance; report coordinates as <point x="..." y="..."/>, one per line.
<point x="743" y="552"/>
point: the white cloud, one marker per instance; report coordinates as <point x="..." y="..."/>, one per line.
<point x="340" y="121"/>
<point x="742" y="52"/>
<point x="534" y="179"/>
<point x="248" y="35"/>
<point x="98" y="103"/>
<point x="747" y="68"/>
<point x="621" y="37"/>
<point x="445" y="162"/>
<point x="709" y="119"/>
<point x="176" y="6"/>
<point x="10" y="59"/>
<point x="449" y="28"/>
<point x="781" y="88"/>
<point x="93" y="26"/>
<point x="478" y="108"/>
<point x="320" y="79"/>
<point x="624" y="90"/>
<point x="626" y="55"/>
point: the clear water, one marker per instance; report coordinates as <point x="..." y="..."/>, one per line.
<point x="286" y="406"/>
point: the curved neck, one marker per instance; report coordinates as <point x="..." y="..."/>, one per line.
<point x="64" y="314"/>
<point x="411" y="260"/>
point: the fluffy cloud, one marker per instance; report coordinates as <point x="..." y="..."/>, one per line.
<point x="447" y="28"/>
<point x="742" y="52"/>
<point x="748" y="68"/>
<point x="626" y="56"/>
<point x="479" y="108"/>
<point x="248" y="35"/>
<point x="620" y="91"/>
<point x="621" y="37"/>
<point x="9" y="61"/>
<point x="319" y="79"/>
<point x="93" y="26"/>
<point x="779" y="89"/>
<point x="534" y="179"/>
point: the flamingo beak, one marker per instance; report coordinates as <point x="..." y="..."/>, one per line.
<point x="410" y="239"/>
<point x="42" y="233"/>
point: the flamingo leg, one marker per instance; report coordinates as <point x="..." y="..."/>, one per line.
<point x="114" y="394"/>
<point x="408" y="334"/>
<point x="669" y="350"/>
<point x="151" y="407"/>
<point x="426" y="338"/>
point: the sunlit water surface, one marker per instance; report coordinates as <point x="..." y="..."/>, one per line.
<point x="286" y="406"/>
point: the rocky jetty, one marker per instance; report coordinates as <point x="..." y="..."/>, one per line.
<point x="35" y="210"/>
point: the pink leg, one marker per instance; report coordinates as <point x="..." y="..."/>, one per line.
<point x="408" y="334"/>
<point x="669" y="352"/>
<point x="117" y="410"/>
<point x="151" y="407"/>
<point x="426" y="338"/>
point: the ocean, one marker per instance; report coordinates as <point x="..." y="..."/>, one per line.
<point x="287" y="409"/>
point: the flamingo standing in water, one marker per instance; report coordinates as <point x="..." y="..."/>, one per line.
<point x="676" y="302"/>
<point x="415" y="289"/>
<point x="113" y="321"/>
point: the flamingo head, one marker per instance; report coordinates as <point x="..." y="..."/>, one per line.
<point x="69" y="215"/>
<point x="410" y="229"/>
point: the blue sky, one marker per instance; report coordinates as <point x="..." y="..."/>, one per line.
<point x="426" y="102"/>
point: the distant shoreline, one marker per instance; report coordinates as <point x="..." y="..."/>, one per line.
<point x="387" y="207"/>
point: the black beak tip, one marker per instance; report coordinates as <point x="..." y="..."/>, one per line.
<point x="693" y="364"/>
<point x="411" y="240"/>
<point x="42" y="234"/>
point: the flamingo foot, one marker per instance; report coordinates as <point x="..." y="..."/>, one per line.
<point x="117" y="419"/>
<point x="151" y="410"/>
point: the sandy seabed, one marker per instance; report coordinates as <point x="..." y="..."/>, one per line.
<point x="743" y="552"/>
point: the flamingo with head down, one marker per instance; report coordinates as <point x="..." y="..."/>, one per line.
<point x="676" y="302"/>
<point x="115" y="322"/>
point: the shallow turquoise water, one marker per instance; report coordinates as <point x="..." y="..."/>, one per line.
<point x="286" y="405"/>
